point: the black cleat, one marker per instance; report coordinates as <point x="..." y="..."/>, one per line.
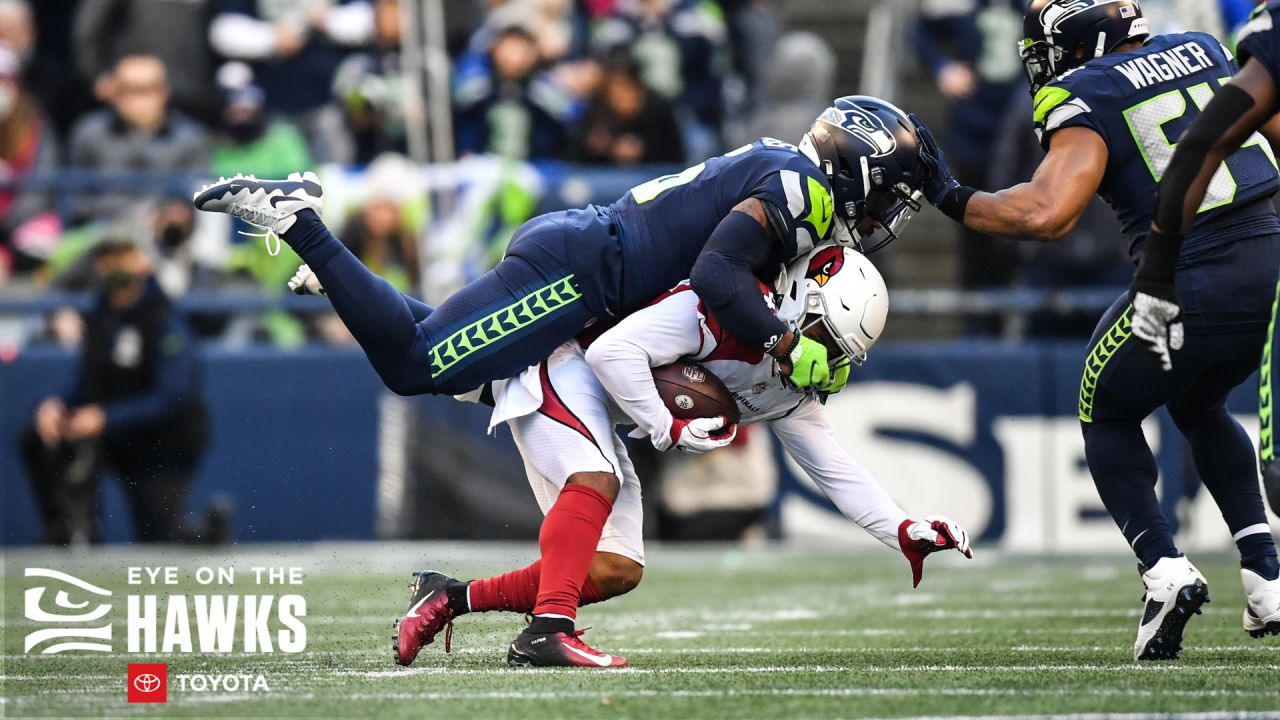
<point x="558" y="649"/>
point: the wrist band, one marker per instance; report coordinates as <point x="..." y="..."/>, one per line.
<point x="956" y="201"/>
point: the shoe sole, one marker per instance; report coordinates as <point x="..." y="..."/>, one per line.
<point x="1167" y="642"/>
<point x="1271" y="628"/>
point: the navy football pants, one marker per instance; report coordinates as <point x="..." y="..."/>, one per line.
<point x="1123" y="384"/>
<point x="504" y="321"/>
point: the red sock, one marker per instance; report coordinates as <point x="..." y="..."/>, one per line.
<point x="568" y="539"/>
<point x="517" y="591"/>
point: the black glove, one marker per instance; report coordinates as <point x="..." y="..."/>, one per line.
<point x="938" y="181"/>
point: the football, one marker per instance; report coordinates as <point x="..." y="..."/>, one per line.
<point x="692" y="391"/>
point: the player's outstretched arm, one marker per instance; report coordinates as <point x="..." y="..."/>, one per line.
<point x="807" y="437"/>
<point x="623" y="357"/>
<point x="1045" y="208"/>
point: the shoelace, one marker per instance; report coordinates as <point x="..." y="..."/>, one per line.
<point x="575" y="638"/>
<point x="267" y="236"/>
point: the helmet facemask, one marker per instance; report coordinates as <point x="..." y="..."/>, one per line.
<point x="882" y="213"/>
<point x="1040" y="60"/>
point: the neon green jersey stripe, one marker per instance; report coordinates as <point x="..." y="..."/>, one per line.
<point x="1266" y="448"/>
<point x="1098" y="359"/>
<point x="502" y="323"/>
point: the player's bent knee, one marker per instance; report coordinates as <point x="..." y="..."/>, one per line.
<point x="606" y="484"/>
<point x="614" y="574"/>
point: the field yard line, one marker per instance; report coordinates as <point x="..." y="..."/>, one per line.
<point x="202" y="698"/>
<point x="941" y="614"/>
<point x="721" y="670"/>
<point x="784" y="692"/>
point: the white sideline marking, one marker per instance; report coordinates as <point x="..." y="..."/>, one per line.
<point x="994" y="669"/>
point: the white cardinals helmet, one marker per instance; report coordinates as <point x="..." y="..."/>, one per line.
<point x="839" y="287"/>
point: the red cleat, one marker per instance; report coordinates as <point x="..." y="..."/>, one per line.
<point x="428" y="614"/>
<point x="558" y="649"/>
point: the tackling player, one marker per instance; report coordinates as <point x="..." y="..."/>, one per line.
<point x="1242" y="107"/>
<point x="1109" y="103"/>
<point x="720" y="223"/>
<point x="562" y="414"/>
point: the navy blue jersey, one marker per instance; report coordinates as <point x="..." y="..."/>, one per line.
<point x="664" y="223"/>
<point x="1258" y="39"/>
<point x="1141" y="102"/>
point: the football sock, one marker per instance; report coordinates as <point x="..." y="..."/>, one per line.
<point x="568" y="539"/>
<point x="377" y="315"/>
<point x="1224" y="459"/>
<point x="516" y="591"/>
<point x="1124" y="471"/>
<point x="1258" y="552"/>
<point x="550" y="624"/>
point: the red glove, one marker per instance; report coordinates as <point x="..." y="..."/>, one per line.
<point x="918" y="538"/>
<point x="698" y="435"/>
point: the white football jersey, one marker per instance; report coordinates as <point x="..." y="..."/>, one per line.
<point x="675" y="326"/>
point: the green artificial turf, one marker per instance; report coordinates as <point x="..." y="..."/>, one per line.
<point x="710" y="633"/>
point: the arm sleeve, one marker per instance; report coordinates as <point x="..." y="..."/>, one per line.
<point x="622" y="358"/>
<point x="724" y="277"/>
<point x="241" y="37"/>
<point x="806" y="435"/>
<point x="175" y="381"/>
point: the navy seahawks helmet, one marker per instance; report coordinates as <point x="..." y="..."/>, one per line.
<point x="868" y="150"/>
<point x="1058" y="35"/>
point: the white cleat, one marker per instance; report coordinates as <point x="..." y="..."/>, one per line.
<point x="1262" y="606"/>
<point x="1175" y="592"/>
<point x="269" y="204"/>
<point x="305" y="282"/>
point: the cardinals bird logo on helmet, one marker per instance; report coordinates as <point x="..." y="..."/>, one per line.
<point x="824" y="264"/>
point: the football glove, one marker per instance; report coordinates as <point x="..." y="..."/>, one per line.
<point x="1157" y="320"/>
<point x="839" y="378"/>
<point x="305" y="282"/>
<point x="809" y="369"/>
<point x="696" y="436"/>
<point x="939" y="181"/>
<point x="919" y="538"/>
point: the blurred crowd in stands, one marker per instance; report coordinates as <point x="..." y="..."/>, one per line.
<point x="171" y="92"/>
<point x="200" y="88"/>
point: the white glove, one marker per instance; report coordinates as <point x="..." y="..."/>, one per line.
<point x="919" y="538"/>
<point x="305" y="282"/>
<point x="696" y="436"/>
<point x="1157" y="322"/>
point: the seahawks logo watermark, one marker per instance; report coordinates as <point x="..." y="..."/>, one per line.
<point x="863" y="125"/>
<point x="81" y="624"/>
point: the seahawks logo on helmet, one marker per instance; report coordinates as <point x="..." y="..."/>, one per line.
<point x="863" y="125"/>
<point x="1054" y="14"/>
<point x="824" y="264"/>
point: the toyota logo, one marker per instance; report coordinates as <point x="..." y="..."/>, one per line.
<point x="146" y="683"/>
